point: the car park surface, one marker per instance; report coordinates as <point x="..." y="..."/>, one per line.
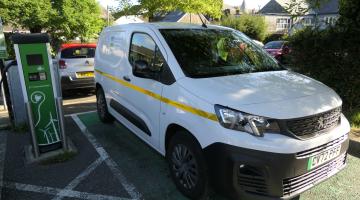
<point x="140" y="165"/>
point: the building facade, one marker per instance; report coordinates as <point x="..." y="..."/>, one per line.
<point x="280" y="20"/>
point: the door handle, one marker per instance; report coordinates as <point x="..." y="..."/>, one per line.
<point x="126" y="78"/>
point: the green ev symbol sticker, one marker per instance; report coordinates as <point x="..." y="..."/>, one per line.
<point x="49" y="123"/>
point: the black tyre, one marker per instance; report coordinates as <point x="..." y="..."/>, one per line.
<point x="101" y="107"/>
<point x="187" y="166"/>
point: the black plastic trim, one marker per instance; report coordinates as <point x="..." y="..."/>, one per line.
<point x="19" y="38"/>
<point x="224" y="163"/>
<point x="132" y="117"/>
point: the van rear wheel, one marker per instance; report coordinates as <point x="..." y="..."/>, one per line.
<point x="187" y="166"/>
<point x="101" y="107"/>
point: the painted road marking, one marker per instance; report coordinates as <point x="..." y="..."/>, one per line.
<point x="80" y="113"/>
<point x="3" y="141"/>
<point x="57" y="191"/>
<point x="76" y="181"/>
<point x="78" y="101"/>
<point x="130" y="188"/>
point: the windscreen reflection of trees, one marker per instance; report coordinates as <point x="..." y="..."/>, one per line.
<point x="209" y="52"/>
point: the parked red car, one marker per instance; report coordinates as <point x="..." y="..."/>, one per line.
<point x="277" y="49"/>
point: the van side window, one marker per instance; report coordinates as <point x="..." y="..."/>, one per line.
<point x="144" y="48"/>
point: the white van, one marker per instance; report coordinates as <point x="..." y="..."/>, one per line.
<point x="221" y="110"/>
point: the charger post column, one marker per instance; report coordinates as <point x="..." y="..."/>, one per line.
<point x="41" y="96"/>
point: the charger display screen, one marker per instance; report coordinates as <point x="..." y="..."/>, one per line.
<point x="34" y="59"/>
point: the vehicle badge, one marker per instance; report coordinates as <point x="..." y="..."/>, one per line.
<point x="320" y="123"/>
<point x="87" y="62"/>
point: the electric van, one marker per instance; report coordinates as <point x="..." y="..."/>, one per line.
<point x="221" y="110"/>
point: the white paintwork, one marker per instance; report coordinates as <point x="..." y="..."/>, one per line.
<point x="281" y="94"/>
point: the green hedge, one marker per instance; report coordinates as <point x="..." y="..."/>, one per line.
<point x="332" y="56"/>
<point x="253" y="26"/>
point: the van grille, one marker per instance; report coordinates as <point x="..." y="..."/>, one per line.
<point x="316" y="150"/>
<point x="303" y="182"/>
<point x="309" y="126"/>
<point x="251" y="180"/>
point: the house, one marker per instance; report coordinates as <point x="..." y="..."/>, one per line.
<point x="179" y="16"/>
<point x="128" y="19"/>
<point x="236" y="10"/>
<point x="280" y="21"/>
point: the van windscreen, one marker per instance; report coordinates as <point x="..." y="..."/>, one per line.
<point x="205" y="53"/>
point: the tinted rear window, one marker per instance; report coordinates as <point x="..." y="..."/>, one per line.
<point x="78" y="52"/>
<point x="274" y="45"/>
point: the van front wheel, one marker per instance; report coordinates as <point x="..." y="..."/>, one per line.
<point x="101" y="107"/>
<point x="187" y="166"/>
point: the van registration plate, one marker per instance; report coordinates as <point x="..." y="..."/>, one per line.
<point x="323" y="157"/>
<point x="84" y="74"/>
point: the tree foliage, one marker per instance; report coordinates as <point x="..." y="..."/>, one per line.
<point x="152" y="7"/>
<point x="253" y="26"/>
<point x="65" y="19"/>
<point x="28" y="14"/>
<point x="332" y="55"/>
<point x="77" y="19"/>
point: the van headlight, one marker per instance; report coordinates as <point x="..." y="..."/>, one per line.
<point x="236" y="120"/>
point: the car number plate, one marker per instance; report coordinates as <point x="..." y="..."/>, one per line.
<point x="84" y="74"/>
<point x="323" y="157"/>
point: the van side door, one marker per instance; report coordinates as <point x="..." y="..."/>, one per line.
<point x="142" y="92"/>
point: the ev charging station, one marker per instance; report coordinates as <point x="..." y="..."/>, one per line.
<point x="43" y="101"/>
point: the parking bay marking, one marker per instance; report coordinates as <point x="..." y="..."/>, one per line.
<point x="76" y="181"/>
<point x="57" y="191"/>
<point x="130" y="188"/>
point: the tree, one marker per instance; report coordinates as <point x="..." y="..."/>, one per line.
<point x="152" y="7"/>
<point x="253" y="26"/>
<point x="29" y="14"/>
<point x="298" y="8"/>
<point x="77" y="19"/>
<point x="66" y="19"/>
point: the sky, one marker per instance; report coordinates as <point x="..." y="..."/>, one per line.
<point x="250" y="4"/>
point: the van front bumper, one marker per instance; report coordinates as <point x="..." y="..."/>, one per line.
<point x="250" y="174"/>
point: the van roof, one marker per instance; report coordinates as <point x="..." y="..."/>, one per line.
<point x="165" y="25"/>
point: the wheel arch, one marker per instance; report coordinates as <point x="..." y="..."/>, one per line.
<point x="172" y="130"/>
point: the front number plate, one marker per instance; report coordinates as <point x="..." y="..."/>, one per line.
<point x="323" y="157"/>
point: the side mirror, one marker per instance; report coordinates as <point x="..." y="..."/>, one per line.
<point x="141" y="69"/>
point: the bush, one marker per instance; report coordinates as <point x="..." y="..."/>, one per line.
<point x="355" y="119"/>
<point x="253" y="26"/>
<point x="332" y="56"/>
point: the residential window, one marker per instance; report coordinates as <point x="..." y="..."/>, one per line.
<point x="308" y="21"/>
<point x="282" y="23"/>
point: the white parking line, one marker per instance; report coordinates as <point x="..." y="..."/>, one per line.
<point x="56" y="191"/>
<point x="130" y="188"/>
<point x="76" y="181"/>
<point x="80" y="113"/>
<point x="3" y="140"/>
<point x="78" y="101"/>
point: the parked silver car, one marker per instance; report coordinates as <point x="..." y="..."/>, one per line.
<point x="76" y="66"/>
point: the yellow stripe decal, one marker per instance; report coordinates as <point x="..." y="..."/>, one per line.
<point x="178" y="105"/>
